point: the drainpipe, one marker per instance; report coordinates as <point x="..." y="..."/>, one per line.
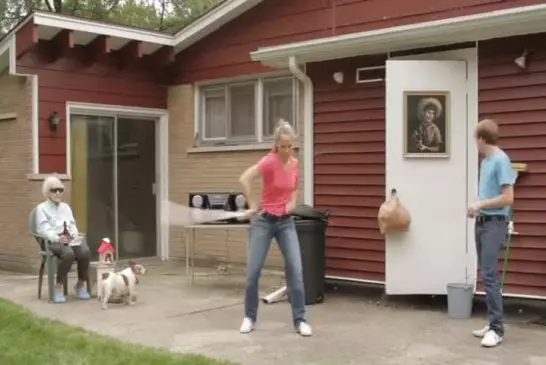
<point x="308" y="152"/>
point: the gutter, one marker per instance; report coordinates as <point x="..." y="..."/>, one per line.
<point x="506" y="22"/>
<point x="308" y="130"/>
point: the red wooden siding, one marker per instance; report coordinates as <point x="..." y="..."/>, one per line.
<point x="102" y="83"/>
<point x="226" y="52"/>
<point x="350" y="167"/>
<point x="516" y="99"/>
<point x="360" y="15"/>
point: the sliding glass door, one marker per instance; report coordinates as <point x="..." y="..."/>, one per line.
<point x="113" y="182"/>
<point x="136" y="187"/>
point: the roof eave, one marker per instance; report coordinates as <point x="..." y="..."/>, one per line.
<point x="212" y="21"/>
<point x="199" y="29"/>
<point x="111" y="30"/>
<point x="476" y="27"/>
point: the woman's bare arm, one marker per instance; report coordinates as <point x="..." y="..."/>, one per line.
<point x="246" y="180"/>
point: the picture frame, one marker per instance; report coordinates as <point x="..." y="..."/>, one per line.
<point x="426" y="122"/>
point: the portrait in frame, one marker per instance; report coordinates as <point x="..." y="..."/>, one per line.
<point x="426" y="124"/>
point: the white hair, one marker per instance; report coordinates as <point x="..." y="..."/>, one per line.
<point x="283" y="128"/>
<point x="51" y="182"/>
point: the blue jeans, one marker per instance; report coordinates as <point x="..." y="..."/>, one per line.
<point x="490" y="239"/>
<point x="263" y="229"/>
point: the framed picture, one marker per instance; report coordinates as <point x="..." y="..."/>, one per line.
<point x="426" y="124"/>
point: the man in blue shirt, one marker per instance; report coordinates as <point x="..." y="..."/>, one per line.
<point x="491" y="211"/>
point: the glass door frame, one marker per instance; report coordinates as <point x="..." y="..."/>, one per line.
<point x="161" y="121"/>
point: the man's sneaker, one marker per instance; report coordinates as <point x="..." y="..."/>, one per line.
<point x="247" y="326"/>
<point x="304" y="329"/>
<point x="491" y="339"/>
<point x="481" y="332"/>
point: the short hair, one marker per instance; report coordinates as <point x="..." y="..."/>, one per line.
<point x="51" y="182"/>
<point x="488" y="130"/>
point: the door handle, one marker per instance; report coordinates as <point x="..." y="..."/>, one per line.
<point x="153" y="188"/>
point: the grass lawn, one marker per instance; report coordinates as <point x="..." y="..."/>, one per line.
<point x="26" y="339"/>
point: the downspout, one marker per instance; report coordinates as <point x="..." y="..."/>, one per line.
<point x="308" y="153"/>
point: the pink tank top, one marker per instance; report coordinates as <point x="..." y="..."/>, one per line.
<point x="279" y="182"/>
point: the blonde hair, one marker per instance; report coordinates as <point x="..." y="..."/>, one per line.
<point x="51" y="182"/>
<point x="283" y="128"/>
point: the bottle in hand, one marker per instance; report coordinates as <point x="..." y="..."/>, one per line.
<point x="65" y="231"/>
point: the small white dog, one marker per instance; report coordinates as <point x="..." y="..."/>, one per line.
<point x="121" y="284"/>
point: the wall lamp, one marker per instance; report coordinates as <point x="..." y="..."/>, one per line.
<point x="521" y="61"/>
<point x="54" y="120"/>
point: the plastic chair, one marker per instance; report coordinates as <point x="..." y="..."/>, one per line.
<point x="48" y="259"/>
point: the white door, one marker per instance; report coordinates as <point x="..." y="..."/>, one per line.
<point x="436" y="250"/>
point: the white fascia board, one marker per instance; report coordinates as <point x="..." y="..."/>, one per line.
<point x="93" y="27"/>
<point x="482" y="26"/>
<point x="212" y="21"/>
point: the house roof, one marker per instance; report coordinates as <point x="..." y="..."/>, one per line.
<point x="48" y="25"/>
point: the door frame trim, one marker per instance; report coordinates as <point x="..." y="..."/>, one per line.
<point x="161" y="157"/>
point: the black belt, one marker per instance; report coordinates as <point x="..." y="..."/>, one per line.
<point x="279" y="217"/>
<point x="490" y="218"/>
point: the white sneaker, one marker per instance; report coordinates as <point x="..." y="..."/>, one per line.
<point x="304" y="329"/>
<point x="491" y="339"/>
<point x="247" y="326"/>
<point x="481" y="332"/>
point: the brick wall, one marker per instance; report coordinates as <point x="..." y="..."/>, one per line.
<point x="209" y="172"/>
<point x="17" y="194"/>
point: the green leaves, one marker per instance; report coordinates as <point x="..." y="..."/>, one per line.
<point x="163" y="15"/>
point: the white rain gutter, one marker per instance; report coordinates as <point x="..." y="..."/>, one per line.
<point x="469" y="28"/>
<point x="308" y="130"/>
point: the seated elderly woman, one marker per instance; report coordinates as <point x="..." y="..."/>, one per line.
<point x="52" y="217"/>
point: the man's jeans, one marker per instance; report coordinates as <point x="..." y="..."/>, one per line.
<point x="490" y="239"/>
<point x="263" y="229"/>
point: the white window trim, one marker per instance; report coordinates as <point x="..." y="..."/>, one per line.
<point x="162" y="157"/>
<point x="259" y="141"/>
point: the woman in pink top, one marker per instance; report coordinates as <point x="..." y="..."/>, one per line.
<point x="271" y="219"/>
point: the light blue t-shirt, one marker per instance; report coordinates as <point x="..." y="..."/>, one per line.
<point x="495" y="171"/>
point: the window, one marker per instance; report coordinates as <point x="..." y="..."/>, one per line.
<point x="279" y="103"/>
<point x="246" y="112"/>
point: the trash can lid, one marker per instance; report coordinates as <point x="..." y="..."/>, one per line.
<point x="306" y="211"/>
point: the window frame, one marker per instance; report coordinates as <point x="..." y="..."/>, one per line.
<point x="203" y="88"/>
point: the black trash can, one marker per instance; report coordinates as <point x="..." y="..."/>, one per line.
<point x="311" y="227"/>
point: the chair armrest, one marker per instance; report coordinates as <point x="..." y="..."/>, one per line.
<point x="43" y="242"/>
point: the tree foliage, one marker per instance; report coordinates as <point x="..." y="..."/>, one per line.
<point x="162" y="15"/>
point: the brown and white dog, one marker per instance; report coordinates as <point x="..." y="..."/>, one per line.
<point x="121" y="284"/>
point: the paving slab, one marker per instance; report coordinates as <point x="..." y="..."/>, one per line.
<point x="351" y="327"/>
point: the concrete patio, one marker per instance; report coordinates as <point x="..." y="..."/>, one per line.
<point x="353" y="326"/>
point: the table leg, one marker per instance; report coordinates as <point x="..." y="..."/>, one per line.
<point x="192" y="255"/>
<point x="186" y="239"/>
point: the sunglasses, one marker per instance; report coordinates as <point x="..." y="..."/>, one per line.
<point x="57" y="190"/>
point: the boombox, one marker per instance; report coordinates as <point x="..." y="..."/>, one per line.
<point x="229" y="202"/>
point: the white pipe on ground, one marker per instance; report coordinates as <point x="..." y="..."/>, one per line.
<point x="276" y="296"/>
